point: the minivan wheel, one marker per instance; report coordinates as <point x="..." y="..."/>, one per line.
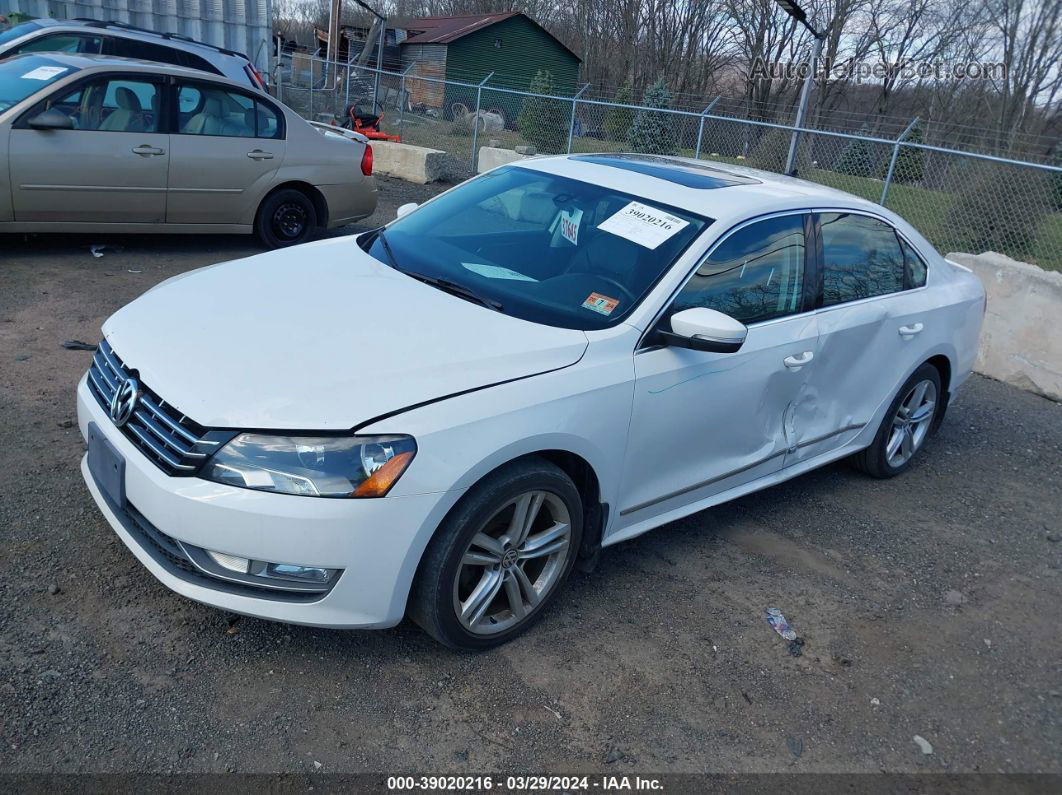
<point x="500" y="557"/>
<point x="906" y="425"/>
<point x="285" y="218"/>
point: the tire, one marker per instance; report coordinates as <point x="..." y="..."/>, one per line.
<point x="456" y="110"/>
<point x="530" y="571"/>
<point x="913" y="416"/>
<point x="285" y="218"/>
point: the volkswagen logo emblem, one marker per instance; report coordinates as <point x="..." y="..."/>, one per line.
<point x="124" y="401"/>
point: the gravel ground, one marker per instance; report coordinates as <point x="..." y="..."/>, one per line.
<point x="928" y="603"/>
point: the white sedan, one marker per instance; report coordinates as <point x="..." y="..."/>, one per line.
<point x="440" y="418"/>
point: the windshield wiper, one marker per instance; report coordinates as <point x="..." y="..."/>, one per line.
<point x="460" y="290"/>
<point x="455" y="289"/>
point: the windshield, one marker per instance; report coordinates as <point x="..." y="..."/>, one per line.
<point x="18" y="31"/>
<point x="540" y="247"/>
<point x="27" y="74"/>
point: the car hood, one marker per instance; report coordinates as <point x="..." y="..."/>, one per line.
<point x="320" y="337"/>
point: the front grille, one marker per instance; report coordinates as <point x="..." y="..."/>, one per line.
<point x="166" y="436"/>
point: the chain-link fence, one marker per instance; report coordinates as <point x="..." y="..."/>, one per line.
<point x="961" y="201"/>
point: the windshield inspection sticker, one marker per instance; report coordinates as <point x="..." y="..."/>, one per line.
<point x="644" y="225"/>
<point x="44" y="72"/>
<point x="496" y="272"/>
<point x="601" y="304"/>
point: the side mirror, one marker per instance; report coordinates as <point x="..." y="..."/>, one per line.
<point x="51" y="119"/>
<point x="704" y="329"/>
<point x="406" y="209"/>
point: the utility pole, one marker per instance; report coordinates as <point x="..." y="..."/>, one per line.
<point x="796" y="12"/>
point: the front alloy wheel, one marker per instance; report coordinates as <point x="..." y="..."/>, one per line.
<point x="499" y="557"/>
<point x="512" y="563"/>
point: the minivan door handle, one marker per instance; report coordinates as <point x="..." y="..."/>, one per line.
<point x="910" y="331"/>
<point x="144" y="150"/>
<point x="796" y="362"/>
<point x="258" y="154"/>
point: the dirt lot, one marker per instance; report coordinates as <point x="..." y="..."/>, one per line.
<point x="929" y="605"/>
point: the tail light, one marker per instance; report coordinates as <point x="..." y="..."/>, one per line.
<point x="250" y="68"/>
<point x="366" y="161"/>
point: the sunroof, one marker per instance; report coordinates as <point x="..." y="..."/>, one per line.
<point x="690" y="175"/>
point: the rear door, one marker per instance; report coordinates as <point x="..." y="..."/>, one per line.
<point x="227" y="146"/>
<point x="872" y="318"/>
<point x="111" y="168"/>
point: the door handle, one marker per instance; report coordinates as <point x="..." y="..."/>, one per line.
<point x="910" y="331"/>
<point x="796" y="362"/>
<point x="258" y="154"/>
<point x="148" y="151"/>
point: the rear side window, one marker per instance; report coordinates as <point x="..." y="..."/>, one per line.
<point x="861" y="258"/>
<point x="755" y="274"/>
<point x="146" y="51"/>
<point x="915" y="265"/>
<point x="205" y="109"/>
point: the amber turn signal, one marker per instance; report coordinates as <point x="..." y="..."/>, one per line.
<point x="380" y="482"/>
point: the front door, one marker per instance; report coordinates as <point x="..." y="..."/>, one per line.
<point x="227" y="147"/>
<point x="111" y="168"/>
<point x="704" y="423"/>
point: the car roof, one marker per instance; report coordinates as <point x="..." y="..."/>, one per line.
<point x="93" y="63"/>
<point x="132" y="32"/>
<point x="720" y="191"/>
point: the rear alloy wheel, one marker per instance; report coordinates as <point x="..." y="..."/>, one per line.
<point x="500" y="557"/>
<point x="286" y="218"/>
<point x="906" y="425"/>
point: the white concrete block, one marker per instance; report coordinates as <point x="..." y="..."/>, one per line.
<point x="1021" y="343"/>
<point x="492" y="157"/>
<point x="404" y="161"/>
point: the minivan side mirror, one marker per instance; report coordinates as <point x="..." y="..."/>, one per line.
<point x="51" y="119"/>
<point x="704" y="329"/>
<point x="406" y="209"/>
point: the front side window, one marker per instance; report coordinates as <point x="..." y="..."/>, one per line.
<point x="205" y="109"/>
<point x="541" y="247"/>
<point x="755" y="274"/>
<point x="861" y="258"/>
<point x="63" y="42"/>
<point x="112" y="105"/>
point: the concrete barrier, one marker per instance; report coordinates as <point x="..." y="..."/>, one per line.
<point x="1021" y="342"/>
<point x="411" y="163"/>
<point x="492" y="157"/>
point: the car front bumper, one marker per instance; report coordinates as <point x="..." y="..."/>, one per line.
<point x="377" y="543"/>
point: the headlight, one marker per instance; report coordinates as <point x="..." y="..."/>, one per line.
<point x="313" y="466"/>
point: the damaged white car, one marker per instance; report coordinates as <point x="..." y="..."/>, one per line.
<point x="440" y="418"/>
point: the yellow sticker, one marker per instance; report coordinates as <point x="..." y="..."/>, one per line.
<point x="601" y="304"/>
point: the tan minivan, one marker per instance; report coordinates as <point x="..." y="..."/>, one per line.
<point x="96" y="143"/>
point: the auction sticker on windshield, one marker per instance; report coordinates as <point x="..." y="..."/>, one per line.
<point x="644" y="225"/>
<point x="44" y="72"/>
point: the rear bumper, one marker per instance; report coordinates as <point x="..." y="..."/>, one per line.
<point x="349" y="203"/>
<point x="377" y="543"/>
